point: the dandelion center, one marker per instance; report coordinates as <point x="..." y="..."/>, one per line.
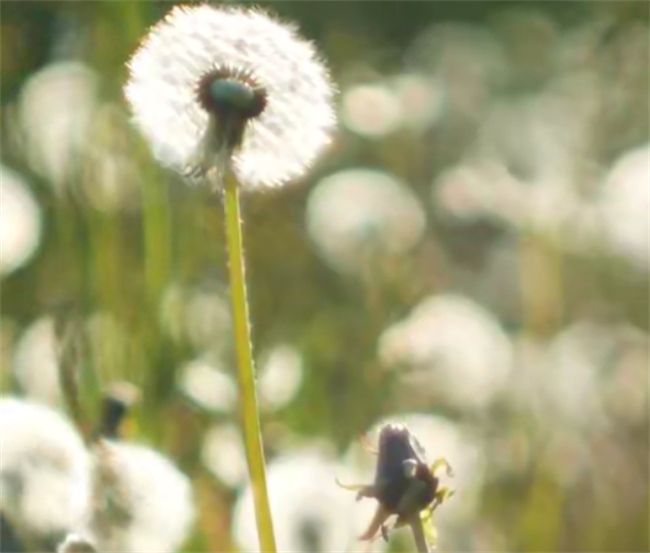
<point x="226" y="93"/>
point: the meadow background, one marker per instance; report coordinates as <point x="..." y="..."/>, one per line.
<point x="471" y="256"/>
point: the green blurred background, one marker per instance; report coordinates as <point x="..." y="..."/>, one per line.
<point x="470" y="254"/>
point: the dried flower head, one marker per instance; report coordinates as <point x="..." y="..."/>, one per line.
<point x="206" y="75"/>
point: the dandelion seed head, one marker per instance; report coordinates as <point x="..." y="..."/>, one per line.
<point x="44" y="468"/>
<point x="359" y="215"/>
<point x="625" y="204"/>
<point x="76" y="543"/>
<point x="142" y="501"/>
<point x="454" y="347"/>
<point x="20" y="222"/>
<point x="309" y="513"/>
<point x="55" y="110"/>
<point x="200" y="59"/>
<point x="206" y="383"/>
<point x="35" y="363"/>
<point x="280" y="376"/>
<point x="224" y="455"/>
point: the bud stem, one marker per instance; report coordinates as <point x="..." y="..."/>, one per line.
<point x="418" y="533"/>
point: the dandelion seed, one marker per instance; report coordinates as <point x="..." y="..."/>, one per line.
<point x="44" y="469"/>
<point x="201" y="67"/>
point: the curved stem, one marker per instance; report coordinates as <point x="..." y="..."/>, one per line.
<point x="247" y="391"/>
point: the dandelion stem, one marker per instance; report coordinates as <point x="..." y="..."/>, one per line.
<point x="418" y="534"/>
<point x="248" y="395"/>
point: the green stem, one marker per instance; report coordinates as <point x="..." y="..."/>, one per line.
<point x="418" y="533"/>
<point x="248" y="396"/>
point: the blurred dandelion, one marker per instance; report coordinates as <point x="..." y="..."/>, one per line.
<point x="35" y="363"/>
<point x="141" y="502"/>
<point x="625" y="206"/>
<point x="199" y="59"/>
<point x="309" y="513"/>
<point x="420" y="98"/>
<point x="371" y="110"/>
<point x="522" y="168"/>
<point x="280" y="376"/>
<point x="76" y="543"/>
<point x="224" y="455"/>
<point x="567" y="380"/>
<point x="466" y="60"/>
<point x="20" y="221"/>
<point x="44" y="470"/>
<point x="208" y="385"/>
<point x="454" y="349"/>
<point x="55" y="110"/>
<point x="357" y="214"/>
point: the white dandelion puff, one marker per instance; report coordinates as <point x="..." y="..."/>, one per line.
<point x="44" y="469"/>
<point x="198" y="59"/>
<point x="309" y="512"/>
<point x="280" y="376"/>
<point x="20" y="222"/>
<point x="625" y="206"/>
<point x="224" y="454"/>
<point x="207" y="384"/>
<point x="76" y="543"/>
<point x="142" y="502"/>
<point x="35" y="363"/>
<point x="453" y="347"/>
<point x="363" y="215"/>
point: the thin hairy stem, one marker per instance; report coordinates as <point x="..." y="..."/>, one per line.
<point x="247" y="391"/>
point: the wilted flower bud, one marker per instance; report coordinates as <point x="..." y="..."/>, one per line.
<point x="405" y="485"/>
